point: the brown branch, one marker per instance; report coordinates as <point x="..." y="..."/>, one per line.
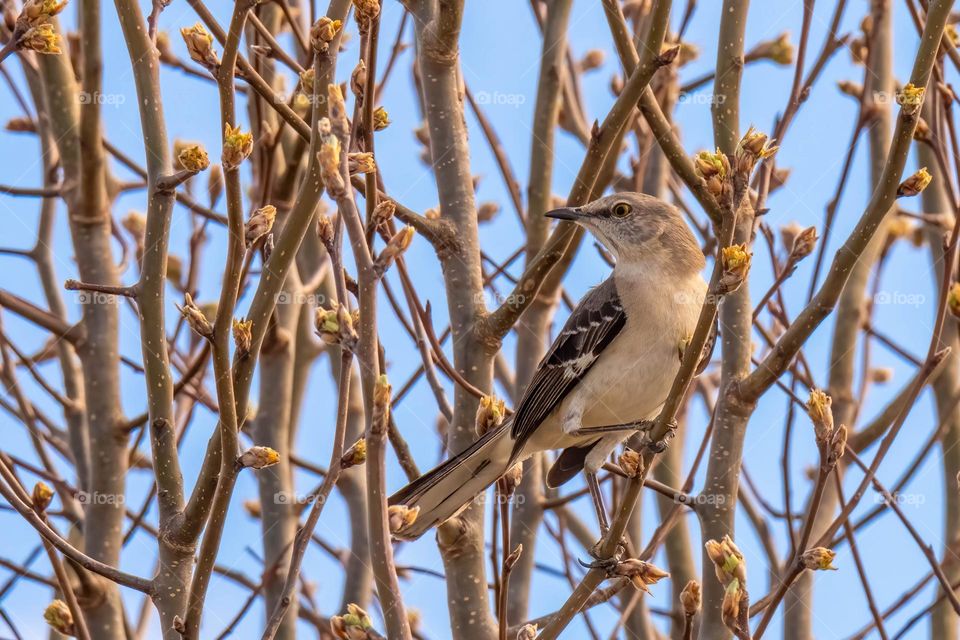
<point x="7" y="484"/>
<point x="110" y="290"/>
<point x="229" y="422"/>
<point x="32" y="192"/>
<point x="74" y="334"/>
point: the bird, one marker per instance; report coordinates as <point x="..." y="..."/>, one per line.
<point x="608" y="371"/>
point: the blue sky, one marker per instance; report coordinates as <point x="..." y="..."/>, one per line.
<point x="500" y="49"/>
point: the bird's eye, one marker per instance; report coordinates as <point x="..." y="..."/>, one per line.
<point x="621" y="209"/>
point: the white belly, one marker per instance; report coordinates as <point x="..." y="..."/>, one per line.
<point x="629" y="384"/>
<point x="632" y="378"/>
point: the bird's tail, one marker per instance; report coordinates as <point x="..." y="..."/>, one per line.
<point x="443" y="491"/>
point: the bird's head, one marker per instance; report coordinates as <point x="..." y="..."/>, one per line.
<point x="635" y="226"/>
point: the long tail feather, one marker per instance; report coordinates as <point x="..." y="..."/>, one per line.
<point x="442" y="492"/>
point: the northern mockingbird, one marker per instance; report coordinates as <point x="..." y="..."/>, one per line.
<point x="607" y="373"/>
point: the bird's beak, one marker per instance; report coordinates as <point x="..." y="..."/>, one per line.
<point x="567" y="213"/>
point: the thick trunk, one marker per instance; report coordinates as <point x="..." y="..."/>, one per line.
<point x="82" y="160"/>
<point x="726" y="449"/>
<point x="271" y="429"/>
<point x="461" y="540"/>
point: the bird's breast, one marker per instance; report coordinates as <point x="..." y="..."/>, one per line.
<point x="633" y="377"/>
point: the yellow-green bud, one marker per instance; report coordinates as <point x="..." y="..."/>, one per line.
<point x="781" y="51"/>
<point x="242" y="336"/>
<point x="42" y="495"/>
<point x="821" y="414"/>
<point x="381" y="119"/>
<point x="237" y="146"/>
<point x="355" y="455"/>
<point x="714" y="169"/>
<point x="37" y="12"/>
<point x="323" y="32"/>
<point x="258" y="457"/>
<point x="361" y="162"/>
<point x="353" y="625"/>
<point x="914" y="184"/>
<point x="490" y="414"/>
<point x="199" y="43"/>
<point x="58" y="616"/>
<point x="910" y="98"/>
<point x="191" y="157"/>
<point x="735" y="261"/>
<point x="41" y="38"/>
<point x="818" y="559"/>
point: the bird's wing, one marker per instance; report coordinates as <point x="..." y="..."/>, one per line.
<point x="593" y="325"/>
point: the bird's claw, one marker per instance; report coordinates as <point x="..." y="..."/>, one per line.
<point x="659" y="446"/>
<point x="599" y="562"/>
<point x="606" y="563"/>
<point x="644" y="426"/>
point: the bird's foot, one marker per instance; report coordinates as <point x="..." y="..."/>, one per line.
<point x="643" y="426"/>
<point x="625" y="428"/>
<point x="600" y="562"/>
<point x="659" y="446"/>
